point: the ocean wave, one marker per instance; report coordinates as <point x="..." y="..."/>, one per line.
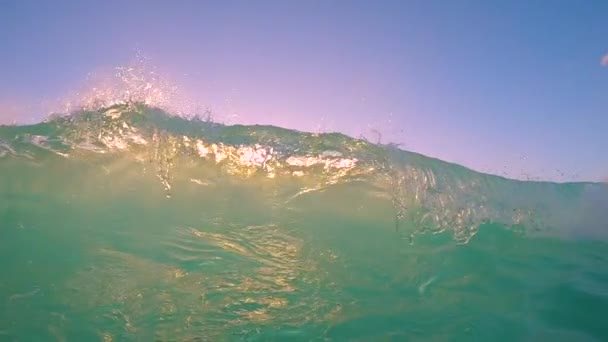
<point x="427" y="195"/>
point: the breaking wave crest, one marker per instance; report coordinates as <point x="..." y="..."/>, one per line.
<point x="427" y="195"/>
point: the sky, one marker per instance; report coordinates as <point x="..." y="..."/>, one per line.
<point x="515" y="88"/>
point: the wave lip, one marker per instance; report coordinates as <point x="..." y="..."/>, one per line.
<point x="429" y="194"/>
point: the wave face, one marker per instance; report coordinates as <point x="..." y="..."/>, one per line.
<point x="129" y="224"/>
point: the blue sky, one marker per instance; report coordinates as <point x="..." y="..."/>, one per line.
<point x="499" y="86"/>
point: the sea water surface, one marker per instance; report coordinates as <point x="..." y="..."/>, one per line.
<point x="129" y="224"/>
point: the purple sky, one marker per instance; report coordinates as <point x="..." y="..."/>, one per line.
<point x="519" y="87"/>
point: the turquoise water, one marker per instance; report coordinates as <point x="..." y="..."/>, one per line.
<point x="131" y="225"/>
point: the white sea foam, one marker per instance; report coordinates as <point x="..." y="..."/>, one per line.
<point x="329" y="163"/>
<point x="202" y="150"/>
<point x="254" y="155"/>
<point x="41" y="141"/>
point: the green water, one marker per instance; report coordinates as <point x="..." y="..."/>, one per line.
<point x="96" y="247"/>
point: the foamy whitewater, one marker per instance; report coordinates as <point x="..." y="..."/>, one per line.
<point x="121" y="221"/>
